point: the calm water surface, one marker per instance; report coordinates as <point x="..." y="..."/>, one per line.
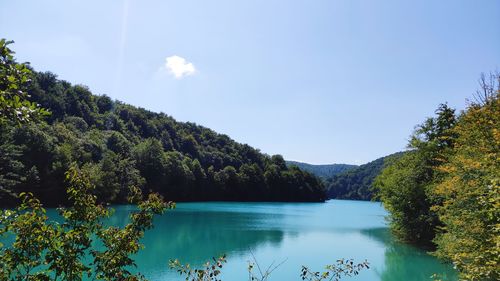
<point x="311" y="234"/>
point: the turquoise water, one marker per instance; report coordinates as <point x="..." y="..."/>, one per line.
<point x="311" y="234"/>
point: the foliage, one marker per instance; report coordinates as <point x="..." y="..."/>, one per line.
<point x="402" y="190"/>
<point x="406" y="186"/>
<point x="324" y="171"/>
<point x="334" y="271"/>
<point x="14" y="80"/>
<point x="48" y="250"/>
<point x="446" y="189"/>
<point x="121" y="145"/>
<point x="357" y="183"/>
<point x="470" y="191"/>
<point x="211" y="271"/>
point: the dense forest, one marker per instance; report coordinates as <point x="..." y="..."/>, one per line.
<point x="344" y="181"/>
<point x="324" y="171"/>
<point x="120" y="145"/>
<point x="39" y="248"/>
<point x="356" y="184"/>
<point x="445" y="191"/>
<point x="442" y="193"/>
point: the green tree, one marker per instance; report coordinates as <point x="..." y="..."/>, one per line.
<point x="85" y="128"/>
<point x="44" y="250"/>
<point x="118" y="144"/>
<point x="179" y="179"/>
<point x="406" y="186"/>
<point x="14" y="80"/>
<point x="470" y="192"/>
<point x="112" y="176"/>
<point x="12" y="169"/>
<point x="227" y="180"/>
<point x="151" y="161"/>
<point x="251" y="181"/>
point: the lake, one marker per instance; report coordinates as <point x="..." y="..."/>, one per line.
<point x="311" y="234"/>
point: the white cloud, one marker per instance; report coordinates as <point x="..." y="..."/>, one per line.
<point x="179" y="67"/>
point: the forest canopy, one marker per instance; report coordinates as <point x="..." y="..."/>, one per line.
<point x="357" y="183"/>
<point x="445" y="192"/>
<point x="120" y="145"/>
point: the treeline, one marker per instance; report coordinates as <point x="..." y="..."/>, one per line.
<point x="324" y="171"/>
<point x="357" y="183"/>
<point x="344" y="181"/>
<point x="445" y="191"/>
<point x="120" y="145"/>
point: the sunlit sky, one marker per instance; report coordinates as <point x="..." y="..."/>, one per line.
<point x="316" y="81"/>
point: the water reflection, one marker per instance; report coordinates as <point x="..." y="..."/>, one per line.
<point x="195" y="236"/>
<point x="405" y="262"/>
<point x="304" y="234"/>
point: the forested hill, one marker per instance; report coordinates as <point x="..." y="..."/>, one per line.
<point x="324" y="171"/>
<point x="120" y="145"/>
<point x="356" y="184"/>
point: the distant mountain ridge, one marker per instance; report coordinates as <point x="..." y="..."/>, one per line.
<point x="344" y="181"/>
<point x="356" y="184"/>
<point x="324" y="171"/>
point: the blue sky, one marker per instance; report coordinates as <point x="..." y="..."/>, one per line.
<point x="316" y="81"/>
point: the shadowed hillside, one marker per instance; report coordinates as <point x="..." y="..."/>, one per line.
<point x="324" y="171"/>
<point x="357" y="183"/>
<point x="119" y="145"/>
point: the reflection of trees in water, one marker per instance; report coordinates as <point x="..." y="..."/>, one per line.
<point x="405" y="262"/>
<point x="195" y="237"/>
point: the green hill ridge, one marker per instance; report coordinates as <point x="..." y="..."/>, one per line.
<point x="344" y="181"/>
<point x="120" y="145"/>
<point x="324" y="171"/>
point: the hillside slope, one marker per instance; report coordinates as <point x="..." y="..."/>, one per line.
<point x="356" y="184"/>
<point x="119" y="145"/>
<point x="324" y="171"/>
